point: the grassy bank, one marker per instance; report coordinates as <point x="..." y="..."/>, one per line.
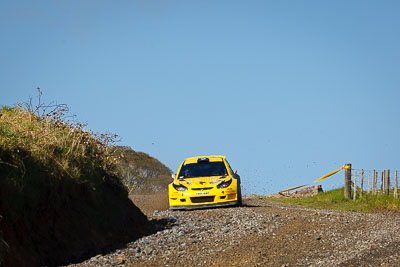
<point x="335" y="200"/>
<point x="60" y="197"/>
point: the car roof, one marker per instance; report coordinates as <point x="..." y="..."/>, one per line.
<point x="211" y="158"/>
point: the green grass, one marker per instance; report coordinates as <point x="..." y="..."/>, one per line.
<point x="335" y="200"/>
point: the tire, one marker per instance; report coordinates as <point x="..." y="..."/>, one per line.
<point x="239" y="196"/>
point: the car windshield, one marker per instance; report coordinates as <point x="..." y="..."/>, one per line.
<point x="203" y="169"/>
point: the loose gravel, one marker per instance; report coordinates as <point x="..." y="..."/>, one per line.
<point x="262" y="234"/>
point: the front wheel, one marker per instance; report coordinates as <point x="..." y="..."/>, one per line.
<point x="239" y="196"/>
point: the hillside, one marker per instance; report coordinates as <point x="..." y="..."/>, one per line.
<point x="60" y="196"/>
<point x="140" y="172"/>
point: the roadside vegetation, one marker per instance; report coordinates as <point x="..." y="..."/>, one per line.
<point x="141" y="173"/>
<point x="61" y="198"/>
<point x="335" y="200"/>
<point x="63" y="146"/>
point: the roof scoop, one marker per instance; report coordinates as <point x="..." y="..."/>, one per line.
<point x="203" y="160"/>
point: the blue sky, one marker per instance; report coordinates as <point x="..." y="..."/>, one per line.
<point x="287" y="90"/>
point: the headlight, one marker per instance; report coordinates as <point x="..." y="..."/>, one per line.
<point x="224" y="184"/>
<point x="180" y="187"/>
<point x="216" y="181"/>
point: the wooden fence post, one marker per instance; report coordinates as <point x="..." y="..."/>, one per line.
<point x="355" y="186"/>
<point x="373" y="182"/>
<point x="347" y="181"/>
<point x="387" y="182"/>
<point x="395" y="185"/>
<point x="369" y="182"/>
<point x="382" y="175"/>
<point x="362" y="183"/>
<point x="383" y="182"/>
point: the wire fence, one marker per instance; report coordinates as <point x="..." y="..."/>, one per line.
<point x="375" y="182"/>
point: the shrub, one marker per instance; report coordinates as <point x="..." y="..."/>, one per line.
<point x="141" y="173"/>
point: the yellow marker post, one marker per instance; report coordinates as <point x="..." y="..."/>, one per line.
<point x="320" y="179"/>
<point x="331" y="173"/>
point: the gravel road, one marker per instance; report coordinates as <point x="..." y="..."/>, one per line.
<point x="262" y="234"/>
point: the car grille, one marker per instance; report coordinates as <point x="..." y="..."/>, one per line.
<point x="203" y="188"/>
<point x="202" y="199"/>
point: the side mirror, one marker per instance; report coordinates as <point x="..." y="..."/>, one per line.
<point x="173" y="176"/>
<point x="235" y="171"/>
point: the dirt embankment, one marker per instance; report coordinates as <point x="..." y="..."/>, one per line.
<point x="61" y="199"/>
<point x="58" y="221"/>
<point x="260" y="234"/>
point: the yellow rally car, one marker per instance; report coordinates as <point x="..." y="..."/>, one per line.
<point x="207" y="181"/>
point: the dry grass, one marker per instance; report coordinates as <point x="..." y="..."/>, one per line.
<point x="52" y="140"/>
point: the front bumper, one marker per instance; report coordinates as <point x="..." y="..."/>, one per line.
<point x="203" y="197"/>
<point x="212" y="205"/>
<point x="194" y="200"/>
